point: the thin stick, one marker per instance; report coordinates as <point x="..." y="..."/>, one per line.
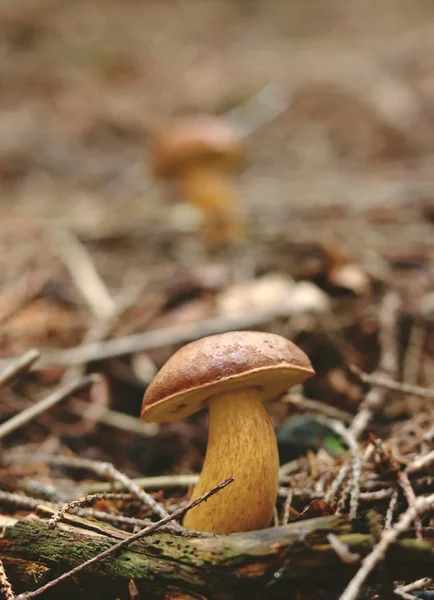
<point x="345" y="492"/>
<point x="410" y="496"/>
<point x="80" y="265"/>
<point x="414" y="352"/>
<point x="306" y="404"/>
<point x="18" y="500"/>
<point x="389" y="536"/>
<point x="403" y="595"/>
<point x="103" y="325"/>
<point x="342" y="550"/>
<point x="104" y="469"/>
<point x="260" y="109"/>
<point x="381" y="381"/>
<point x="126" y="542"/>
<point x="72" y="505"/>
<point x="337" y="482"/>
<point x="403" y="590"/>
<point x="388" y="454"/>
<point x="157" y="338"/>
<point x="160" y="482"/>
<point x="45" y="404"/>
<point x="287" y="507"/>
<point x="107" y="416"/>
<point x="292" y="466"/>
<point x="388" y="521"/>
<point x="59" y="515"/>
<point x="356" y="460"/>
<point x="113" y="418"/>
<point x="377" y="495"/>
<point x="275" y="517"/>
<point x="388" y="318"/>
<point x="18" y="366"/>
<point x="420" y="463"/>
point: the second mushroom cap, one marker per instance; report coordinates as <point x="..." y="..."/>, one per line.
<point x="193" y="139"/>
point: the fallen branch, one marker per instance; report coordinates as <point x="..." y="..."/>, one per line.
<point x="125" y="542"/>
<point x="237" y="566"/>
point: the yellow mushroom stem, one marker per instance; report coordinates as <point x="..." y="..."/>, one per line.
<point x="207" y="187"/>
<point x="242" y="444"/>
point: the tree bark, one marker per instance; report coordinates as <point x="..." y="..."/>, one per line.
<point x="271" y="563"/>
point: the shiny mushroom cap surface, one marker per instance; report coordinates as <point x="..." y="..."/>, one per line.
<point x="194" y="139"/>
<point x="221" y="363"/>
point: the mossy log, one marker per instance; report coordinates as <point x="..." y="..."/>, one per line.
<point x="273" y="563"/>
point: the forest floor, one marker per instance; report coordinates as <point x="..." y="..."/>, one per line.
<point x="339" y="195"/>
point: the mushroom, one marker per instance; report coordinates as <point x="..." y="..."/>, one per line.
<point x="231" y="373"/>
<point x="197" y="152"/>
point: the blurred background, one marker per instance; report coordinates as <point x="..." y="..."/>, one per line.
<point x="84" y="82"/>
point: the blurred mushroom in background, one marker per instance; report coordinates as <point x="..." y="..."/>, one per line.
<point x="197" y="153"/>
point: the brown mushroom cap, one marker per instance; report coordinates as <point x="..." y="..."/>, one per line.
<point x="193" y="139"/>
<point x="220" y="363"/>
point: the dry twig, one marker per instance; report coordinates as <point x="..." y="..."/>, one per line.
<point x="388" y="455"/>
<point x="104" y="470"/>
<point x="410" y="496"/>
<point x="69" y="506"/>
<point x="105" y="309"/>
<point x="422" y="505"/>
<point x="113" y="418"/>
<point x="46" y="403"/>
<point x="337" y="482"/>
<point x="287" y="507"/>
<point x="412" y="359"/>
<point x="161" y="482"/>
<point x="403" y="590"/>
<point x="420" y="463"/>
<point x="374" y="399"/>
<point x="384" y="382"/>
<point x="388" y="521"/>
<point x="356" y="460"/>
<point x="79" y="263"/>
<point x="388" y="317"/>
<point x="18" y="366"/>
<point x="314" y="406"/>
<point x="342" y="550"/>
